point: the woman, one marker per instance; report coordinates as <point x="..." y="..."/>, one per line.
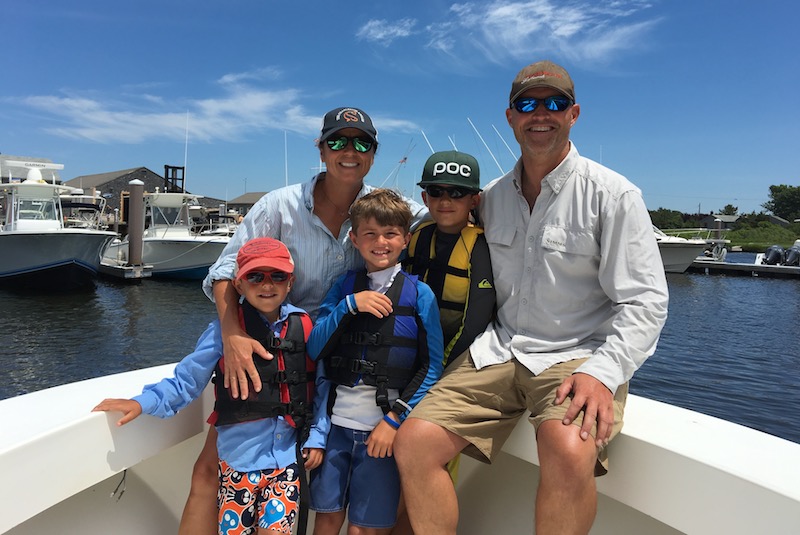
<point x="312" y="219"/>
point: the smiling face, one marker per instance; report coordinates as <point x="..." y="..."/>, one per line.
<point x="266" y="296"/>
<point x="450" y="215"/>
<point x="347" y="166"/>
<point x="543" y="134"/>
<point x="380" y="245"/>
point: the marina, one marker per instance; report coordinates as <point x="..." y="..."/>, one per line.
<point x="711" y="359"/>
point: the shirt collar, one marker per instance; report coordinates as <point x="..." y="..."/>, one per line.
<point x="381" y="280"/>
<point x="555" y="178"/>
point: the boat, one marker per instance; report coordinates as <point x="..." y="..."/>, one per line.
<point x="174" y="243"/>
<point x="51" y="235"/>
<point x="677" y="252"/>
<point x="672" y="470"/>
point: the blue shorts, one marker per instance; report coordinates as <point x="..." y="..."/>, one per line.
<point x="348" y="475"/>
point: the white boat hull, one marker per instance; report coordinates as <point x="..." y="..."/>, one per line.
<point x="183" y="258"/>
<point x="672" y="470"/>
<point x="65" y="257"/>
<point x="678" y="256"/>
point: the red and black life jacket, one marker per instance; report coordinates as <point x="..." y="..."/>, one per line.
<point x="287" y="379"/>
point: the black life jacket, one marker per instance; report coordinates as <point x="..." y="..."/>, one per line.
<point x="287" y="379"/>
<point x="382" y="352"/>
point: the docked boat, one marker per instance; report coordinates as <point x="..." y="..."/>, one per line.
<point x="678" y="253"/>
<point x="673" y="471"/>
<point x="174" y="244"/>
<point x="50" y="234"/>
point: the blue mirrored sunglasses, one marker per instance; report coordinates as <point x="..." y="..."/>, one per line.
<point x="554" y="103"/>
<point x="360" y="144"/>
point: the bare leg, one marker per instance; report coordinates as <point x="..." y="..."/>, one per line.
<point x="566" y="501"/>
<point x="328" y="523"/>
<point x="200" y="512"/>
<point x="403" y="524"/>
<point x="422" y="449"/>
<point x="358" y="530"/>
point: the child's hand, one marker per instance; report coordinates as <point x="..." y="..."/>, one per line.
<point x="129" y="408"/>
<point x="373" y="302"/>
<point x="381" y="440"/>
<point x="313" y="457"/>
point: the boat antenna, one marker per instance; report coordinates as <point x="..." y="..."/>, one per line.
<point x="396" y="171"/>
<point x="186" y="151"/>
<point x="485" y="145"/>
<point x="285" y="158"/>
<point x="426" y="141"/>
<point x="504" y="143"/>
<point x="453" y="143"/>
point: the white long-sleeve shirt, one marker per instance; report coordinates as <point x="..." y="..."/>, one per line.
<point x="578" y="276"/>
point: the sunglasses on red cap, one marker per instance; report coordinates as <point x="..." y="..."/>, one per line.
<point x="275" y="277"/>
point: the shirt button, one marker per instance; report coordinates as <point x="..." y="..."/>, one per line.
<point x="524" y="301"/>
<point x="530" y="239"/>
<point x="339" y="257"/>
<point x="528" y="269"/>
<point x="278" y="436"/>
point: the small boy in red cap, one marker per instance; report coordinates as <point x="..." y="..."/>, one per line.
<point x="260" y="439"/>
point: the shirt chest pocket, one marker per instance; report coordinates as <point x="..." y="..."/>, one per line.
<point x="569" y="241"/>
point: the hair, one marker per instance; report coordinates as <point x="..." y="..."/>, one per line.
<point x="386" y="206"/>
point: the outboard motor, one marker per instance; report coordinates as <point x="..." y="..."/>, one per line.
<point x="792" y="256"/>
<point x="773" y="256"/>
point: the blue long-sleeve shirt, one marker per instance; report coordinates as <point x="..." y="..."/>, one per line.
<point x="430" y="351"/>
<point x="263" y="444"/>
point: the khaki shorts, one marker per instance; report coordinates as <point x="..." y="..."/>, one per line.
<point x="483" y="406"/>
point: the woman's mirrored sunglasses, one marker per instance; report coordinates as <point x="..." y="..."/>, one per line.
<point x="454" y="192"/>
<point x="554" y="103"/>
<point x="359" y="143"/>
<point x="258" y="277"/>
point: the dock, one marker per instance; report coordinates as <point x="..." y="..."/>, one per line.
<point x="713" y="267"/>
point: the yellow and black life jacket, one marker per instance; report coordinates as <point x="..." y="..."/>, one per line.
<point x="459" y="271"/>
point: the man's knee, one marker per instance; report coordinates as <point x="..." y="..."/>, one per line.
<point x="562" y="450"/>
<point x="421" y="443"/>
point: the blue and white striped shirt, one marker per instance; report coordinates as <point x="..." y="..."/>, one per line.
<point x="287" y="214"/>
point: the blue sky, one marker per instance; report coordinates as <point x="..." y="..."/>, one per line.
<point x="696" y="101"/>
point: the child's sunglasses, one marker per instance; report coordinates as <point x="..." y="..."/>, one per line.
<point x="360" y="144"/>
<point x="454" y="192"/>
<point x="554" y="103"/>
<point x="258" y="277"/>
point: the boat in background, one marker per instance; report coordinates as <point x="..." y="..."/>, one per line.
<point x="47" y="241"/>
<point x="677" y="252"/>
<point x="672" y="470"/>
<point x="174" y="243"/>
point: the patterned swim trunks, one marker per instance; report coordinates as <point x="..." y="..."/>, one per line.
<point x="263" y="498"/>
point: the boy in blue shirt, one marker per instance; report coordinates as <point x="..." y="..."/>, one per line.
<point x="258" y="438"/>
<point x="379" y="338"/>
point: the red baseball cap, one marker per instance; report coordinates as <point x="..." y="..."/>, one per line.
<point x="263" y="253"/>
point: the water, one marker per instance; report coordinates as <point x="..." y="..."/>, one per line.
<point x="730" y="347"/>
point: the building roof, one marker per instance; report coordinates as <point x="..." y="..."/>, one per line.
<point x="95" y="181"/>
<point x="250" y="198"/>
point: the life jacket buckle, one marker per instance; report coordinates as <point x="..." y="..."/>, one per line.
<point x="363" y="366"/>
<point x="365" y="339"/>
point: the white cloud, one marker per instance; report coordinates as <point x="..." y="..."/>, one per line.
<point x="583" y="31"/>
<point x="384" y="32"/>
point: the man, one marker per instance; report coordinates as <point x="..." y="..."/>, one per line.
<point x="582" y="299"/>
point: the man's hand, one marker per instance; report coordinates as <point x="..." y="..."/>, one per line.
<point x="596" y="401"/>
<point x="238" y="349"/>
<point x="373" y="302"/>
